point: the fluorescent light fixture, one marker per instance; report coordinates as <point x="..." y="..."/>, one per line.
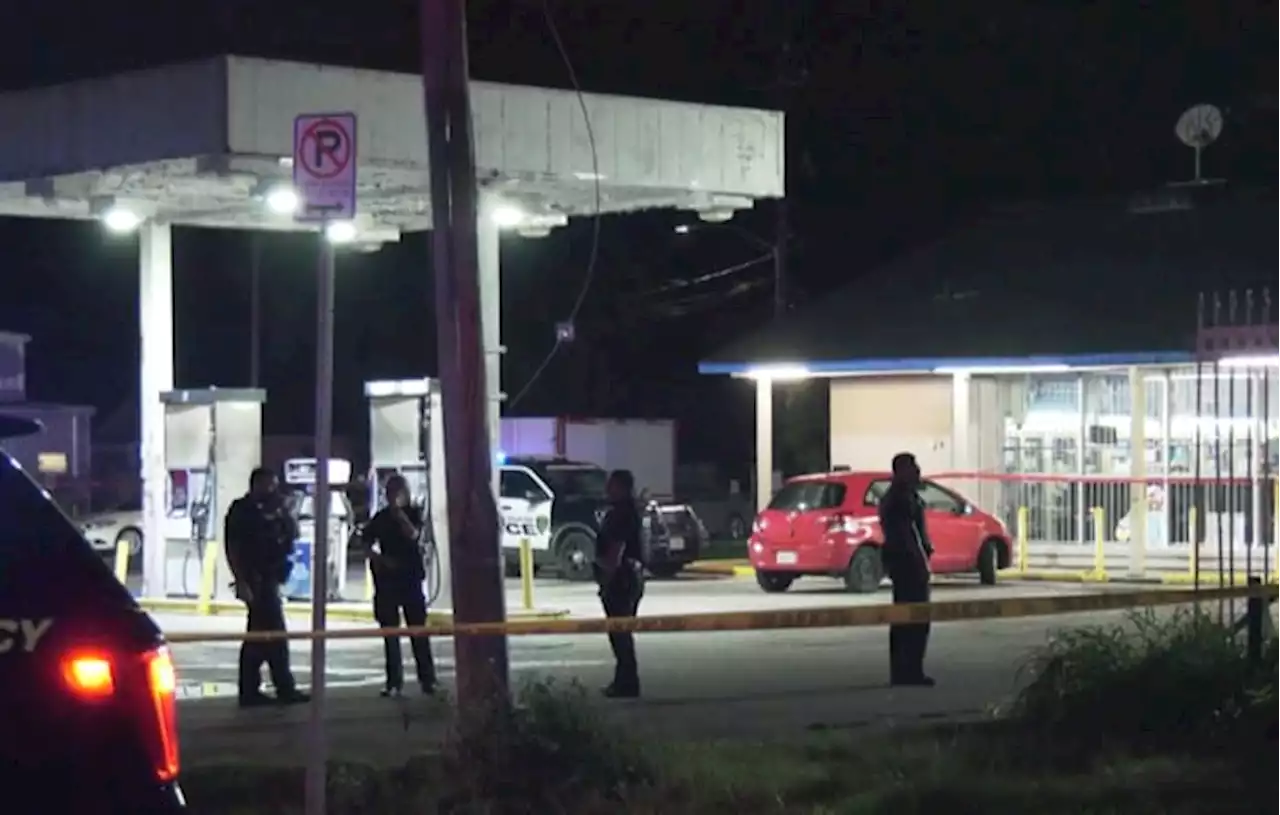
<point x="1004" y="369"/>
<point x="120" y="219"/>
<point x="683" y="229"/>
<point x="340" y="232"/>
<point x="282" y="200"/>
<point x="1270" y="361"/>
<point x="507" y="215"/>
<point x="397" y="387"/>
<point x="779" y="373"/>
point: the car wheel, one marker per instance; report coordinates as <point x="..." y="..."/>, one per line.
<point x="774" y="582"/>
<point x="666" y="570"/>
<point x="988" y="562"/>
<point x="865" y="571"/>
<point x="737" y="528"/>
<point x="575" y="554"/>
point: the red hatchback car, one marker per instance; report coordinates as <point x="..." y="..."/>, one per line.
<point x="827" y="524"/>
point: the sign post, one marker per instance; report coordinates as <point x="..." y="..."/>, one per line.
<point x="324" y="177"/>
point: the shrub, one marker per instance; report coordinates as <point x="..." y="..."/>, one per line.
<point x="547" y="753"/>
<point x="1165" y="681"/>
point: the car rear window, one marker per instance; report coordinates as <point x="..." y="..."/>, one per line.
<point x="802" y="496"/>
<point x="32" y="526"/>
<point x="875" y="492"/>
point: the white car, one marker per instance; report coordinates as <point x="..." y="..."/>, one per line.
<point x="106" y="530"/>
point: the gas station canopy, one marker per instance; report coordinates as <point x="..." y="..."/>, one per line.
<point x="202" y="143"/>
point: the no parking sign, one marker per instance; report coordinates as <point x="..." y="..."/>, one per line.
<point x="324" y="166"/>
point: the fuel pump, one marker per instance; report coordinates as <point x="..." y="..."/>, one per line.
<point x="213" y="440"/>
<point x="300" y="475"/>
<point x="406" y="437"/>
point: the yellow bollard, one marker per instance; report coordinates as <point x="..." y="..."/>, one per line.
<point x="1193" y="558"/>
<point x="122" y="561"/>
<point x="1099" y="544"/>
<point x="208" y="579"/>
<point x="1024" y="519"/>
<point x="368" y="579"/>
<point x="526" y="574"/>
<point x="1275" y="535"/>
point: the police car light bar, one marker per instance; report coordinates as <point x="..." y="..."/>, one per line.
<point x="302" y="471"/>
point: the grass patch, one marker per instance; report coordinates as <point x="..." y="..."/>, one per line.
<point x="964" y="772"/>
<point x="1172" y="682"/>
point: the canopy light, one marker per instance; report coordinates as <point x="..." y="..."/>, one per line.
<point x="340" y="232"/>
<point x="120" y="219"/>
<point x="397" y="387"/>
<point x="717" y="215"/>
<point x="779" y="373"/>
<point x="507" y="216"/>
<point x="282" y="200"/>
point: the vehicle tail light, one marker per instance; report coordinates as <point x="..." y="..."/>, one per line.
<point x="89" y="676"/>
<point x="162" y="690"/>
<point x="94" y="676"/>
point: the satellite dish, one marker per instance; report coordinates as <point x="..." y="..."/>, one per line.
<point x="1197" y="128"/>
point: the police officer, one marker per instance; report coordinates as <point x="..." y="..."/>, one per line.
<point x="906" y="556"/>
<point x="619" y="568"/>
<point x="260" y="535"/>
<point x="392" y="536"/>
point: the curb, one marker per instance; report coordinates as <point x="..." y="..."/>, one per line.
<point x="303" y="611"/>
<point x="728" y="568"/>
<point x="738" y="568"/>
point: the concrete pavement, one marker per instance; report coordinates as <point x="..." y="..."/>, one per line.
<point x="747" y="684"/>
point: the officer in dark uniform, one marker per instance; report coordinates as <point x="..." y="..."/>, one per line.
<point x="392" y="536"/>
<point x="260" y="535"/>
<point x="619" y="568"/>
<point x="906" y="556"/>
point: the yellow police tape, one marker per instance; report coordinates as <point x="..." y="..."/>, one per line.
<point x="839" y="617"/>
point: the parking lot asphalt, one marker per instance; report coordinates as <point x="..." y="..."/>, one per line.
<point x="697" y="685"/>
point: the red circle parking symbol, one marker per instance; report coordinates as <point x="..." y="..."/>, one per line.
<point x="325" y="149"/>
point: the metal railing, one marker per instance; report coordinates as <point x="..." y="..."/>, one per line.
<point x="1222" y="530"/>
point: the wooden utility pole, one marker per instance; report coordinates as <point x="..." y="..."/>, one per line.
<point x="473" y="515"/>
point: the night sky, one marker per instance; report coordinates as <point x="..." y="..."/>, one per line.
<point x="903" y="119"/>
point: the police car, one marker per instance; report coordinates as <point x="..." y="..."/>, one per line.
<point x="87" y="686"/>
<point x="557" y="505"/>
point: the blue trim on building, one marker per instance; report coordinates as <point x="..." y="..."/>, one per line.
<point x="926" y="364"/>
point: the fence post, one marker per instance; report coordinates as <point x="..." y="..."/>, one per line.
<point x="1255" y="608"/>
<point x="1099" y="544"/>
<point x="1024" y="520"/>
<point x="1193" y="559"/>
